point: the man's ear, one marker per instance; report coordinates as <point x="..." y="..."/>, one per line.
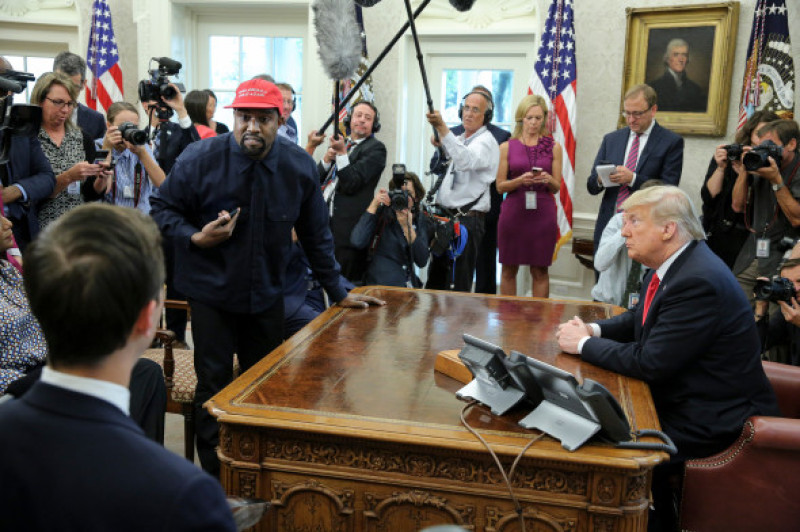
<point x="670" y="230"/>
<point x="148" y="319"/>
<point x="791" y="145"/>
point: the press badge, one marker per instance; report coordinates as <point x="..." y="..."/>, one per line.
<point x="127" y="192"/>
<point x="633" y="300"/>
<point x="74" y="187"/>
<point x="530" y="200"/>
<point x="762" y="248"/>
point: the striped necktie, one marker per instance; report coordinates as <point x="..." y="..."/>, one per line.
<point x="630" y="163"/>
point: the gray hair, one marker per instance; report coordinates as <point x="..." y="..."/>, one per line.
<point x="70" y="64"/>
<point x="669" y="204"/>
<point x="674" y="43"/>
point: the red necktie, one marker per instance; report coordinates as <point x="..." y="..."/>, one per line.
<point x="652" y="288"/>
<point x="630" y="163"/>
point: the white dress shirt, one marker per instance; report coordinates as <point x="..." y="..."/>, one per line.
<point x="473" y="168"/>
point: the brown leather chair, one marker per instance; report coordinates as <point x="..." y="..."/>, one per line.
<point x="755" y="483"/>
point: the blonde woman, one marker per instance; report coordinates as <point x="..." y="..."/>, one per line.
<point x="529" y="174"/>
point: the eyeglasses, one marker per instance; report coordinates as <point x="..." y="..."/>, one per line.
<point x="61" y="103"/>
<point x="635" y="114"/>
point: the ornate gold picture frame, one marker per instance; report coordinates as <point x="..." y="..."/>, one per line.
<point x="685" y="53"/>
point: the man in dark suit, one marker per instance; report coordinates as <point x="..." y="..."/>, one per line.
<point x="349" y="173"/>
<point x="89" y="120"/>
<point x="643" y="150"/>
<point x="676" y="92"/>
<point x="71" y="458"/>
<point x="486" y="265"/>
<point x="692" y="337"/>
<point x="26" y="180"/>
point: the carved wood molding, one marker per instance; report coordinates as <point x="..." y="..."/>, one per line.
<point x="498" y="519"/>
<point x="377" y="506"/>
<point x="342" y="499"/>
<point x="433" y="465"/>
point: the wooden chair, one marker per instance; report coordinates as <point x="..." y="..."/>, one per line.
<point x="754" y="484"/>
<point x="179" y="377"/>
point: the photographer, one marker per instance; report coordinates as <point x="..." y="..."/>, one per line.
<point x="161" y="99"/>
<point x="136" y="174"/>
<point x="773" y="164"/>
<point x="782" y="328"/>
<point x="390" y="227"/>
<point x="725" y="229"/>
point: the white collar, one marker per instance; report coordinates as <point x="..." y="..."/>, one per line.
<point x="661" y="271"/>
<point x="115" y="394"/>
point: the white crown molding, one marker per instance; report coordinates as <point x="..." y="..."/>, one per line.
<point x="19" y="8"/>
<point x="482" y="14"/>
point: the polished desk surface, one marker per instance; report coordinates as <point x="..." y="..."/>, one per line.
<point x="369" y="374"/>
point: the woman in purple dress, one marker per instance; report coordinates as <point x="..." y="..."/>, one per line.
<point x="529" y="175"/>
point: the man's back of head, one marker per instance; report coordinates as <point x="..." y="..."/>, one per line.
<point x="88" y="278"/>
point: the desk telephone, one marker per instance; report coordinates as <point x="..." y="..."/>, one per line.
<point x="566" y="410"/>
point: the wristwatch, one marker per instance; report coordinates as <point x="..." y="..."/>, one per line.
<point x="778" y="186"/>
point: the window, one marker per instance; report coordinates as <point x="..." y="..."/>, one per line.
<point x="457" y="83"/>
<point x="233" y="59"/>
<point x="36" y="65"/>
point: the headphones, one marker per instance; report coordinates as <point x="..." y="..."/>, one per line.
<point x="488" y="115"/>
<point x="376" y="123"/>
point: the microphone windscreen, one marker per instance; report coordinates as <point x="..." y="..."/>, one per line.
<point x="168" y="63"/>
<point x="462" y="5"/>
<point x="366" y="3"/>
<point x="338" y="37"/>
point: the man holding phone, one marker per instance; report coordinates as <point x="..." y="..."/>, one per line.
<point x="230" y="204"/>
<point x="643" y="150"/>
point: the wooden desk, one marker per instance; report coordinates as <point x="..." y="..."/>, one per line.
<point x="346" y="427"/>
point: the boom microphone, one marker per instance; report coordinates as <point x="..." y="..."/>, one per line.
<point x="462" y="5"/>
<point x="338" y="37"/>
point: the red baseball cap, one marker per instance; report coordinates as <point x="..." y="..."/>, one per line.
<point x="257" y="94"/>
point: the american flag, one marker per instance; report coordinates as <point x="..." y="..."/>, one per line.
<point x="769" y="73"/>
<point x="555" y="78"/>
<point x="345" y="85"/>
<point x="104" y="79"/>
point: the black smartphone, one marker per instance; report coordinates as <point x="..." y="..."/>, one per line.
<point x="536" y="169"/>
<point x="232" y="213"/>
<point x="100" y="156"/>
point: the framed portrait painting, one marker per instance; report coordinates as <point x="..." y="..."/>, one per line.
<point x="686" y="54"/>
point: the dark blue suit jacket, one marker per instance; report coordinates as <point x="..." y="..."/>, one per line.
<point x="699" y="351"/>
<point x="69" y="461"/>
<point x="28" y="167"/>
<point x="92" y="122"/>
<point x="662" y="158"/>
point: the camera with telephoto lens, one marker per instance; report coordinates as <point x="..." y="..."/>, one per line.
<point x="159" y="85"/>
<point x="734" y="151"/>
<point x="132" y="134"/>
<point x="759" y="156"/>
<point x="398" y="198"/>
<point x="775" y="290"/>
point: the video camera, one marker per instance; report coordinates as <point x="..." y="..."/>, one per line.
<point x="158" y="85"/>
<point x="16" y="120"/>
<point x="758" y="157"/>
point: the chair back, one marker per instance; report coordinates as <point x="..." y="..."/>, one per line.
<point x="785" y="380"/>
